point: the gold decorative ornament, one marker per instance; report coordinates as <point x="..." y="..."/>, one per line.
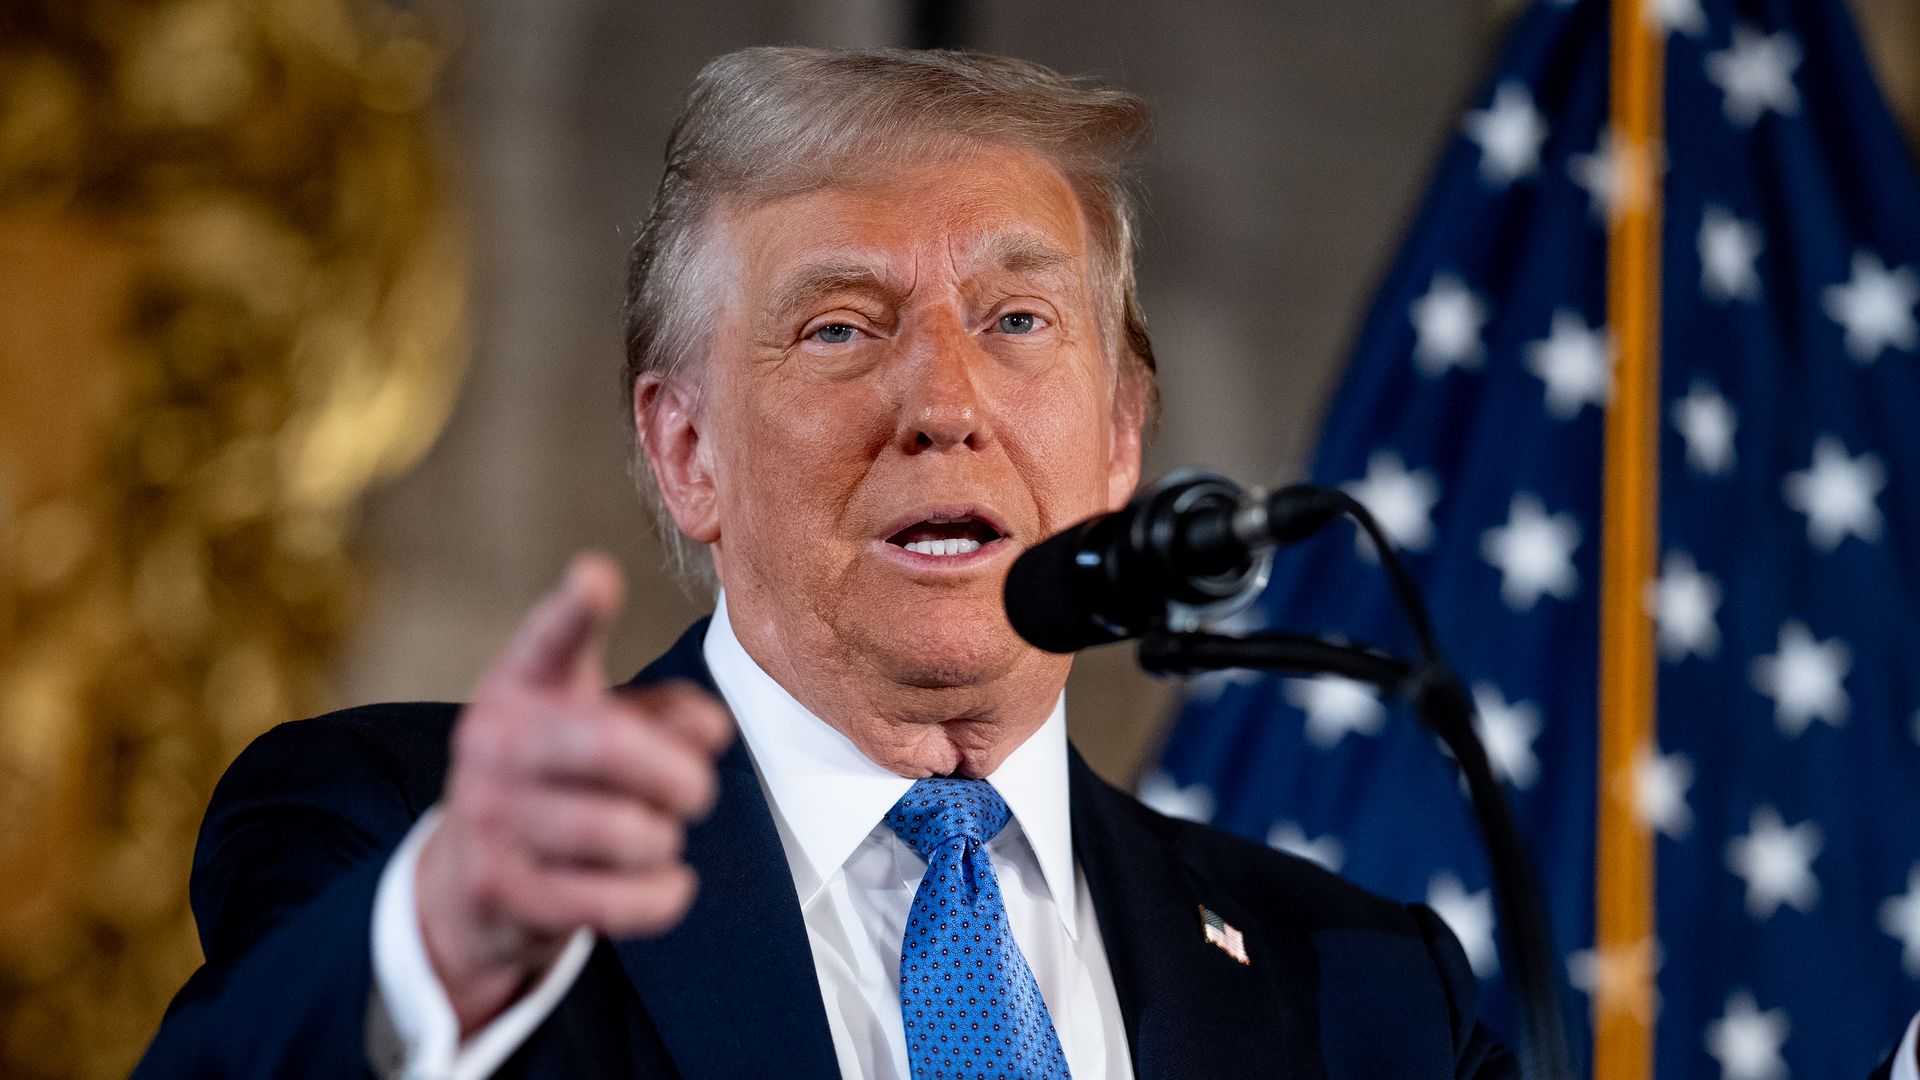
<point x="231" y="296"/>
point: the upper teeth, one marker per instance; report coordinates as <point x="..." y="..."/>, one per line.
<point x="961" y="546"/>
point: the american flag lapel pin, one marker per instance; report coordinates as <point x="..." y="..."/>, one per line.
<point x="1221" y="934"/>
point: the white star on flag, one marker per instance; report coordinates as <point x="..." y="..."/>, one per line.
<point x="1597" y="172"/>
<point x="1209" y="686"/>
<point x="1447" y="320"/>
<point x="1660" y="783"/>
<point x="1776" y="862"/>
<point x="1401" y="501"/>
<point x="1746" y="1042"/>
<point x="1576" y="362"/>
<point x="1289" y="837"/>
<point x="1679" y="16"/>
<point x="1612" y="978"/>
<point x="1728" y="247"/>
<point x="1336" y="707"/>
<point x="1617" y="176"/>
<point x="1756" y="74"/>
<point x="1686" y="603"/>
<point x="1470" y="917"/>
<point x="1875" y="306"/>
<point x="1534" y="553"/>
<point x="1509" y="132"/>
<point x="1805" y="678"/>
<point x="1706" y="422"/>
<point x="1192" y="803"/>
<point x="1837" y="494"/>
<point x="1900" y="917"/>
<point x="1507" y="731"/>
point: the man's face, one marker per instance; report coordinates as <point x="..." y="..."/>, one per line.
<point x="907" y="389"/>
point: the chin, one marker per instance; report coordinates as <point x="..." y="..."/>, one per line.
<point x="944" y="643"/>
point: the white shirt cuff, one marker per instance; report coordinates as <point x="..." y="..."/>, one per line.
<point x="1904" y="1066"/>
<point x="412" y="1033"/>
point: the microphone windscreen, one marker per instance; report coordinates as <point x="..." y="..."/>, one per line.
<point x="1043" y="603"/>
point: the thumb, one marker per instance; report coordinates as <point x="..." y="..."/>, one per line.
<point x="568" y="628"/>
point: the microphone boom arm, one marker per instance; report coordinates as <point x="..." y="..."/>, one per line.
<point x="1188" y="654"/>
<point x="1443" y="704"/>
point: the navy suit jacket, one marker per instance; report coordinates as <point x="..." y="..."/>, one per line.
<point x="1341" y="984"/>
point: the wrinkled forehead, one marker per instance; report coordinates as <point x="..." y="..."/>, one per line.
<point x="989" y="211"/>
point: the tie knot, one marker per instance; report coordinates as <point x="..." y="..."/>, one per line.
<point x="936" y="810"/>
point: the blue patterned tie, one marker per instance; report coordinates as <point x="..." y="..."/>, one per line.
<point x="967" y="995"/>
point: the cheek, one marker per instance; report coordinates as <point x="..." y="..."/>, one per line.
<point x="1059" y="432"/>
<point x="796" y="457"/>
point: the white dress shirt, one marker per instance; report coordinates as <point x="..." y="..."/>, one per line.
<point x="854" y="880"/>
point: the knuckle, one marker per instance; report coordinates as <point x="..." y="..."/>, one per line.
<point x="584" y="738"/>
<point x="587" y="741"/>
<point x="492" y="741"/>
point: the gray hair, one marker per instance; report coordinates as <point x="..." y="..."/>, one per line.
<point x="764" y="123"/>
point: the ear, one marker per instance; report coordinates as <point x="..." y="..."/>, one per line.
<point x="1129" y="424"/>
<point x="667" y="417"/>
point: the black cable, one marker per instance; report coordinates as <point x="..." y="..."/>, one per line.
<point x="1444" y="704"/>
<point x="1405" y="592"/>
<point x="1445" y="707"/>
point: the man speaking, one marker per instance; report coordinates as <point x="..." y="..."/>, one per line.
<point x="882" y="338"/>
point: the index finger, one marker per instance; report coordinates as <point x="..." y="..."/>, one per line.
<point x="568" y="628"/>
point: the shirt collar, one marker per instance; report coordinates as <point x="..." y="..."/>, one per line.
<point x="827" y="796"/>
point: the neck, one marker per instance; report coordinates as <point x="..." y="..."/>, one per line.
<point x="962" y="727"/>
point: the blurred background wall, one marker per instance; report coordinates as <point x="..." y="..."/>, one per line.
<point x="309" y="353"/>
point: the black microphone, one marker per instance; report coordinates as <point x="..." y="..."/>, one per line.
<point x="1191" y="545"/>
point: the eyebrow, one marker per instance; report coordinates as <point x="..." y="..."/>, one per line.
<point x="837" y="275"/>
<point x="1023" y="253"/>
<point x="1005" y="253"/>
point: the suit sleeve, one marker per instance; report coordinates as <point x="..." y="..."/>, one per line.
<point x="1476" y="1052"/>
<point x="284" y="876"/>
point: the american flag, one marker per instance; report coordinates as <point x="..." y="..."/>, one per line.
<point x="1221" y="934"/>
<point x="1781" y="789"/>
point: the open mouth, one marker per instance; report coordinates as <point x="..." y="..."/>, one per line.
<point x="945" y="536"/>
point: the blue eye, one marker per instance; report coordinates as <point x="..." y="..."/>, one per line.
<point x="834" y="334"/>
<point x="1018" y="322"/>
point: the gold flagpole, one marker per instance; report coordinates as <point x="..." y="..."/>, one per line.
<point x="1622" y="994"/>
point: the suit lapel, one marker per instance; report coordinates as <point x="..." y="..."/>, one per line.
<point x="732" y="988"/>
<point x="1190" y="1009"/>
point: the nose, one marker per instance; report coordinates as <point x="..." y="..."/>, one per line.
<point x="942" y="407"/>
